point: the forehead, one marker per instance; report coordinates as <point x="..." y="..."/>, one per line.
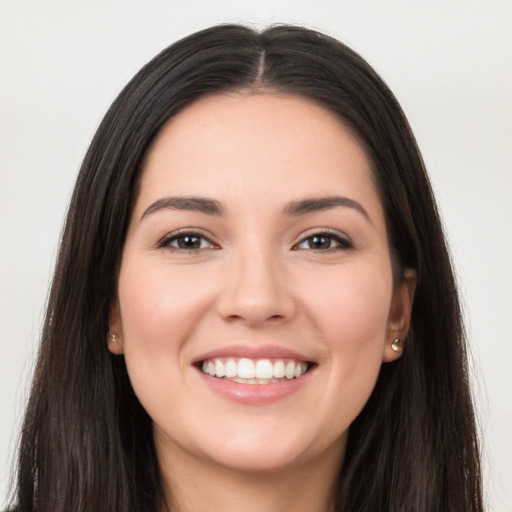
<point x="256" y="145"/>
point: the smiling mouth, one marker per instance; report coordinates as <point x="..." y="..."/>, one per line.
<point x="254" y="371"/>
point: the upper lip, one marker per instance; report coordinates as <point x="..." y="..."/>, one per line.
<point x="252" y="352"/>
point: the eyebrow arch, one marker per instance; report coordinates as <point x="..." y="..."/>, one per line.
<point x="189" y="203"/>
<point x="316" y="204"/>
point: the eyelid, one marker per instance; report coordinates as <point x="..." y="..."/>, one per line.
<point x="344" y="242"/>
<point x="164" y="242"/>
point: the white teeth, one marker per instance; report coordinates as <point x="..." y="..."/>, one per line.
<point x="264" y="369"/>
<point x="261" y="371"/>
<point x="251" y="381"/>
<point x="219" y="368"/>
<point x="231" y="368"/>
<point x="279" y="370"/>
<point x="246" y="369"/>
<point x="290" y="370"/>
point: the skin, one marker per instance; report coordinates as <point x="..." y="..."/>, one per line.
<point x="257" y="279"/>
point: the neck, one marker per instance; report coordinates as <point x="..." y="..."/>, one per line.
<point x="199" y="486"/>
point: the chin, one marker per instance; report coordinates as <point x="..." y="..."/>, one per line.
<point x="255" y="460"/>
<point x="272" y="452"/>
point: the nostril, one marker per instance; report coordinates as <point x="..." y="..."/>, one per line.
<point x="254" y="306"/>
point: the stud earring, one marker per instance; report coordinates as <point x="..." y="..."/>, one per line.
<point x="115" y="344"/>
<point x="396" y="345"/>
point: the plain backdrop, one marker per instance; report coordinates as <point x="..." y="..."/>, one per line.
<point x="448" y="62"/>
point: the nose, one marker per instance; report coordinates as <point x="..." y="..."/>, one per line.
<point x="255" y="291"/>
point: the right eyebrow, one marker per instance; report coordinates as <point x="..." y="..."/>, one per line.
<point x="189" y="203"/>
<point x="317" y="204"/>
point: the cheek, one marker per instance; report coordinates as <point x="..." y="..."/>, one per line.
<point x="157" y="303"/>
<point x="351" y="315"/>
<point x="352" y="308"/>
<point x="159" y="308"/>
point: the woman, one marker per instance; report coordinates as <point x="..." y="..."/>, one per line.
<point x="253" y="306"/>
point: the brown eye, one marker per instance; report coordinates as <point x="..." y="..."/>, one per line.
<point x="319" y="242"/>
<point x="186" y="242"/>
<point x="324" y="242"/>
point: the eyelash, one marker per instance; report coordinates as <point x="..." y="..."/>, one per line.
<point x="342" y="242"/>
<point x="166" y="241"/>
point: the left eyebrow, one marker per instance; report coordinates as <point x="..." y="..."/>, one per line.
<point x="189" y="203"/>
<point x="317" y="204"/>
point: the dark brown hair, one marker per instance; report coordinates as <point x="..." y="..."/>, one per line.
<point x="87" y="443"/>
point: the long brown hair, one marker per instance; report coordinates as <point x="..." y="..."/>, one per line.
<point x="87" y="443"/>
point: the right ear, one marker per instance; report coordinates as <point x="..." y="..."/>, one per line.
<point x="400" y="315"/>
<point x="115" y="334"/>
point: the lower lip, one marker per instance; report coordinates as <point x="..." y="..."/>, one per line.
<point x="254" y="394"/>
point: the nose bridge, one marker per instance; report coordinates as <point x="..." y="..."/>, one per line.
<point x="255" y="289"/>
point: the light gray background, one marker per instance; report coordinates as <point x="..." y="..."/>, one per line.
<point x="449" y="63"/>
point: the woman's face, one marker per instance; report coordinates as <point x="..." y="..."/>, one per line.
<point x="256" y="301"/>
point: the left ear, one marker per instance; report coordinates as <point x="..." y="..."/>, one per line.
<point x="399" y="319"/>
<point x="115" y="335"/>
